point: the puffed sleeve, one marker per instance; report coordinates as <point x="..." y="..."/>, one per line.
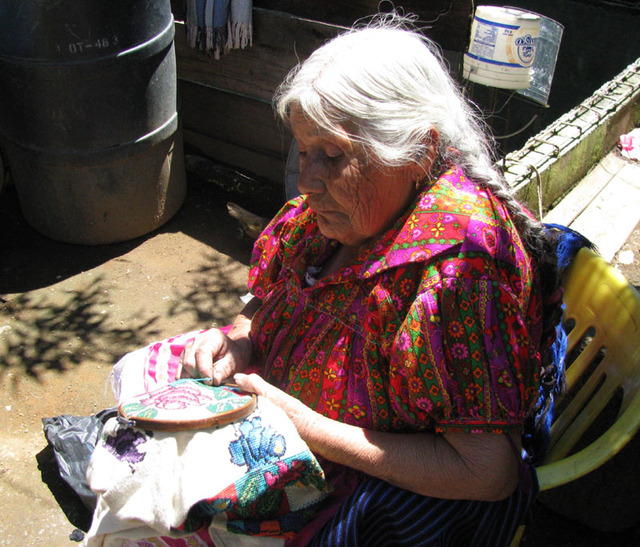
<point x="467" y="356"/>
<point x="269" y="249"/>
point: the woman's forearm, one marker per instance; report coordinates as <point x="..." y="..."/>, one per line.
<point x="241" y="328"/>
<point x="478" y="466"/>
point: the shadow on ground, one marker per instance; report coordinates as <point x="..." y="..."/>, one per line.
<point x="70" y="502"/>
<point x="32" y="261"/>
<point x="58" y="301"/>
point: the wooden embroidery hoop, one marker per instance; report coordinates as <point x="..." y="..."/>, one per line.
<point x="141" y="412"/>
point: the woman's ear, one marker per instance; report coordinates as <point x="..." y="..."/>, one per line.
<point x="434" y="139"/>
<point x="431" y="146"/>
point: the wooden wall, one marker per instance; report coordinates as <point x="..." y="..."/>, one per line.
<point x="225" y="104"/>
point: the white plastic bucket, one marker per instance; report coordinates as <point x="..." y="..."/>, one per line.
<point x="502" y="47"/>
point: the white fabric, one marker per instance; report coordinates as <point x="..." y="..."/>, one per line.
<point x="127" y="375"/>
<point x="148" y="368"/>
<point x="149" y="487"/>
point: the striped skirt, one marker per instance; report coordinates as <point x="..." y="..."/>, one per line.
<point x="379" y="514"/>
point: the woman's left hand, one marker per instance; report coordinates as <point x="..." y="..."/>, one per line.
<point x="300" y="414"/>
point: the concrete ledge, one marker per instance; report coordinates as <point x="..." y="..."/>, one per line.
<point x="586" y="191"/>
<point x="556" y="159"/>
<point x="604" y="206"/>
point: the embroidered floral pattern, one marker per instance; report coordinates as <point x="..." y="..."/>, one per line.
<point x="187" y="395"/>
<point x="256" y="444"/>
<point x="435" y="326"/>
<point x="258" y="503"/>
<point x="177" y="396"/>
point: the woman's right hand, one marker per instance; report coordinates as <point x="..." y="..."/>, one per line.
<point x="213" y="354"/>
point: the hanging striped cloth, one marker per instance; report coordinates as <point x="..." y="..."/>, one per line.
<point x="217" y="26"/>
<point x="240" y="26"/>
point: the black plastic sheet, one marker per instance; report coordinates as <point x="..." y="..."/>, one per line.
<point x="73" y="439"/>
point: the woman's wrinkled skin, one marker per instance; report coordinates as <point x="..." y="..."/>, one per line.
<point x="354" y="199"/>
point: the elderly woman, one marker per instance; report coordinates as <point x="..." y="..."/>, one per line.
<point x="398" y="310"/>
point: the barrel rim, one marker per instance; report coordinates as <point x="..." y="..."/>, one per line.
<point x="98" y="156"/>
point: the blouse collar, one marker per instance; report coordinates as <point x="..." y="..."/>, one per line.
<point x="437" y="221"/>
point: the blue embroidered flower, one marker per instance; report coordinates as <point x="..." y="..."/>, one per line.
<point x="256" y="444"/>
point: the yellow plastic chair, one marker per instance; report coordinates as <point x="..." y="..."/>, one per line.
<point x="603" y="313"/>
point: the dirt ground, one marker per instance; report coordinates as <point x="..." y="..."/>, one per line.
<point x="68" y="312"/>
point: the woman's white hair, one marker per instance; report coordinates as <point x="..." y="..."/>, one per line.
<point x="390" y="83"/>
<point x="388" y="86"/>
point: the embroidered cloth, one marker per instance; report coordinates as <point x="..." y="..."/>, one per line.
<point x="436" y="325"/>
<point x="187" y="404"/>
<point x="252" y="477"/>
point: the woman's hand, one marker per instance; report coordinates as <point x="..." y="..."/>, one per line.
<point x="300" y="414"/>
<point x="212" y="354"/>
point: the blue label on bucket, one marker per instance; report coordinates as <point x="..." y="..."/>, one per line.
<point x="526" y="47"/>
<point x="497" y="24"/>
<point x="484" y="43"/>
<point x="493" y="62"/>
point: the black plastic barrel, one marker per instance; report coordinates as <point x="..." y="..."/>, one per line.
<point x="88" y="116"/>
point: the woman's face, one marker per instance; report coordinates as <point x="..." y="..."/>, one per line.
<point x="354" y="199"/>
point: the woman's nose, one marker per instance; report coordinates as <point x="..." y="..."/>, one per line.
<point x="312" y="173"/>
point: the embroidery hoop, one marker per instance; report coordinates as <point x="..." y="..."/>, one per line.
<point x="185" y="405"/>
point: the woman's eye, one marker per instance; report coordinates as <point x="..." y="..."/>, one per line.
<point x="334" y="153"/>
<point x="331" y="154"/>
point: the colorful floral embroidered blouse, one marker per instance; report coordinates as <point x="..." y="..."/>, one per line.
<point x="436" y="325"/>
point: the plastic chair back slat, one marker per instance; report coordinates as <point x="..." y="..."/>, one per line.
<point x="583" y="411"/>
<point x="605" y="310"/>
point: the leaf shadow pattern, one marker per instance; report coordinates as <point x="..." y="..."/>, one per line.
<point x="41" y="334"/>
<point x="214" y="298"/>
